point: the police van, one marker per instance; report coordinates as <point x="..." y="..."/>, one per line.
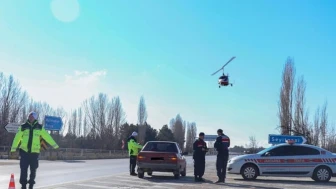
<point x="286" y="160"/>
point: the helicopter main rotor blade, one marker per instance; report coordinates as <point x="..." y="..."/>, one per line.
<point x="217" y="71"/>
<point x="229" y="61"/>
<point x="224" y="65"/>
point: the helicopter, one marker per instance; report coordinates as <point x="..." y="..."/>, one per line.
<point x="224" y="79"/>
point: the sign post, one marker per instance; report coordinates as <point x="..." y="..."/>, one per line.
<point x="52" y="123"/>
<point x="12" y="127"/>
<point x="279" y="139"/>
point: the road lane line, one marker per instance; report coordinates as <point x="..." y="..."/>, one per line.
<point x="156" y="181"/>
<point x="133" y="184"/>
<point x="136" y="182"/>
<point x="149" y="182"/>
<point x="78" y="180"/>
<point x="106" y="187"/>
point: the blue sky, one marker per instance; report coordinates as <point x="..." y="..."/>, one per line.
<point x="64" y="51"/>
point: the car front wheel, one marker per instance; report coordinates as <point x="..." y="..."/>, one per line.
<point x="322" y="174"/>
<point x="141" y="174"/>
<point x="184" y="172"/>
<point x="249" y="172"/>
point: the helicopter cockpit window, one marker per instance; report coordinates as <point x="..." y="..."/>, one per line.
<point x="223" y="77"/>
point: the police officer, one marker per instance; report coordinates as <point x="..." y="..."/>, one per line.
<point x="200" y="149"/>
<point x="222" y="145"/>
<point x="133" y="150"/>
<point x="28" y="136"/>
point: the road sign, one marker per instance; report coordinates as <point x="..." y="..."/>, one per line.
<point x="53" y="123"/>
<point x="209" y="137"/>
<point x="278" y="139"/>
<point x="209" y="140"/>
<point x="12" y="127"/>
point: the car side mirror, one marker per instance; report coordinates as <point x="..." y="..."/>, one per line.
<point x="185" y="153"/>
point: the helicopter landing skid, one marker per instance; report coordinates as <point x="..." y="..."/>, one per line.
<point x="230" y="85"/>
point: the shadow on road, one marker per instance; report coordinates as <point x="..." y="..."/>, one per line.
<point x="294" y="182"/>
<point x="171" y="179"/>
<point x="167" y="178"/>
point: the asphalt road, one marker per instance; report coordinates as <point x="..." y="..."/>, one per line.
<point x="95" y="174"/>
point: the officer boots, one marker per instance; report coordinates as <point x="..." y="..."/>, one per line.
<point x="199" y="179"/>
<point x="220" y="180"/>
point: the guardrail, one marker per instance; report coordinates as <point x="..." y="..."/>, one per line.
<point x="78" y="154"/>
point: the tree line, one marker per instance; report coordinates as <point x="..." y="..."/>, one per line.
<point x="294" y="116"/>
<point x="99" y="123"/>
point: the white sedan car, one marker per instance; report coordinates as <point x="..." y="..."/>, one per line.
<point x="286" y="160"/>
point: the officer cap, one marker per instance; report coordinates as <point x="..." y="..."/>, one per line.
<point x="219" y="131"/>
<point x="201" y="134"/>
<point x="34" y="114"/>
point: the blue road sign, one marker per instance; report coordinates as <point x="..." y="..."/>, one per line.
<point x="53" y="123"/>
<point x="278" y="139"/>
<point x="209" y="137"/>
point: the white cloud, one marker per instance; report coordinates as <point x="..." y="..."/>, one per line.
<point x="69" y="92"/>
<point x="84" y="77"/>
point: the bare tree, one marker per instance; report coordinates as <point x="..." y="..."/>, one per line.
<point x="80" y="122"/>
<point x="316" y="128"/>
<point x="74" y="123"/>
<point x="286" y="97"/>
<point x="301" y="119"/>
<point x="190" y="139"/>
<point x="178" y="130"/>
<point x="184" y="129"/>
<point x="60" y="112"/>
<point x="191" y="135"/>
<point x="111" y="119"/>
<point x="324" y="125"/>
<point x="253" y="145"/>
<point x="142" y="119"/>
<point x="102" y="112"/>
<point x="331" y="139"/>
<point x="172" y="124"/>
<point x="91" y="113"/>
<point x="86" y="128"/>
<point x="12" y="100"/>
<point x="119" y="118"/>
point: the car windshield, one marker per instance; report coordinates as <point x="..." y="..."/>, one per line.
<point x="160" y="147"/>
<point x="266" y="150"/>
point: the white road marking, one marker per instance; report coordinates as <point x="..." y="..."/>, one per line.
<point x="137" y="182"/>
<point x="95" y="186"/>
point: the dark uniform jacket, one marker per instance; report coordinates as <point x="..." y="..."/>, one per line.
<point x="200" y="149"/>
<point x="222" y="145"/>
